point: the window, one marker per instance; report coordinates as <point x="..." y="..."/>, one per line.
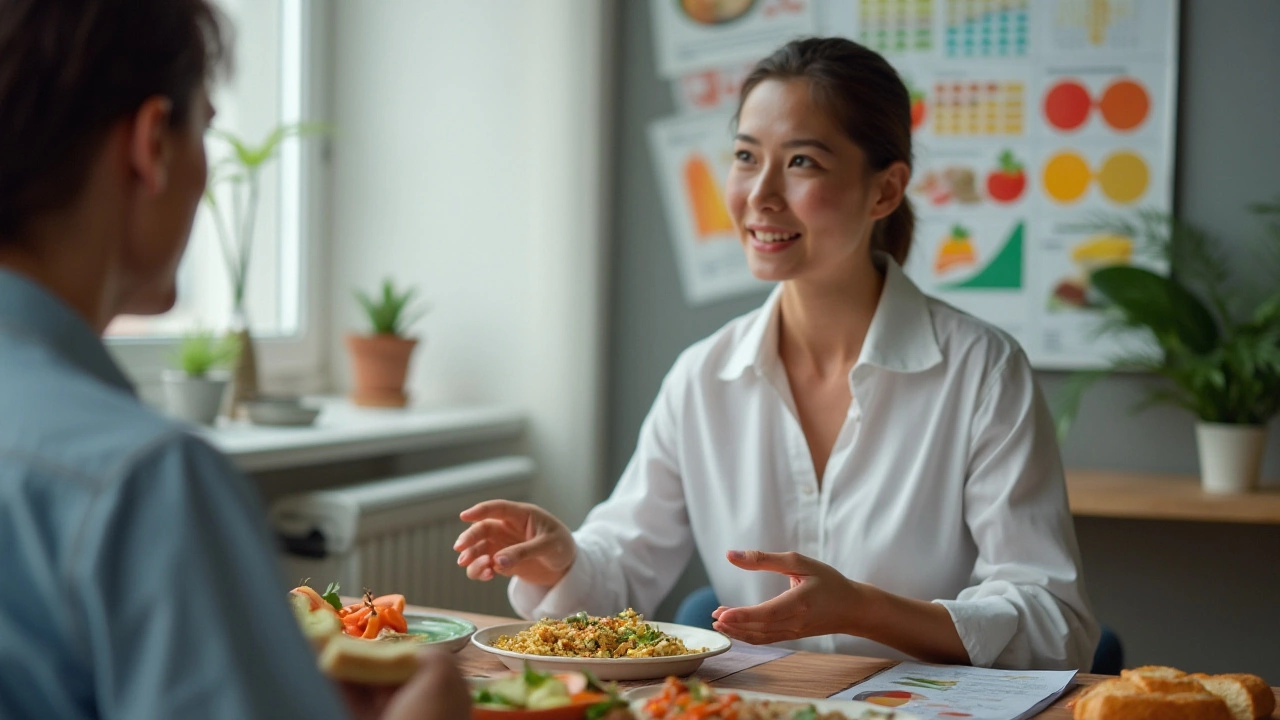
<point x="272" y="84"/>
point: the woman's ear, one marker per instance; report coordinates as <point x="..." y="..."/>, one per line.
<point x="891" y="186"/>
<point x="151" y="144"/>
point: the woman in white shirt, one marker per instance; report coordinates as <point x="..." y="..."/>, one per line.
<point x="861" y="468"/>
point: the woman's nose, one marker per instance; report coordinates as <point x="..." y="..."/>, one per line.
<point x="766" y="193"/>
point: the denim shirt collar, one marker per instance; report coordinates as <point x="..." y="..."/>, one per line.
<point x="30" y="313"/>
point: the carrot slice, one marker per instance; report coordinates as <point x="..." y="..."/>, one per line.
<point x="390" y="617"/>
<point x="371" y="630"/>
<point x="395" y="600"/>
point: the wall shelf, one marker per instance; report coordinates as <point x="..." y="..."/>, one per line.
<point x="1106" y="493"/>
<point x="345" y="432"/>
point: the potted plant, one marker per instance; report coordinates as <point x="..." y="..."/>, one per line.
<point x="193" y="391"/>
<point x="1215" y="341"/>
<point x="236" y="178"/>
<point x="381" y="359"/>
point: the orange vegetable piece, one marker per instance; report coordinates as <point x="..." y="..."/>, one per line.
<point x="390" y="617"/>
<point x="396" y="601"/>
<point x="371" y="630"/>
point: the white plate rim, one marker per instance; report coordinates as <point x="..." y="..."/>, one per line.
<point x="512" y="628"/>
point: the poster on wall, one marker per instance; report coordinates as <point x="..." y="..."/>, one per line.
<point x="1030" y="121"/>
<point x="696" y="35"/>
<point x="692" y="155"/>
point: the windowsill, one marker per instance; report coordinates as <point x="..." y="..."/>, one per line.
<point x="346" y="432"/>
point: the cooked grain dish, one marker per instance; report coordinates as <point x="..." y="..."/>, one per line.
<point x="624" y="635"/>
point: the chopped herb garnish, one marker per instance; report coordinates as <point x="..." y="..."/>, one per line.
<point x="533" y="678"/>
<point x="808" y="712"/>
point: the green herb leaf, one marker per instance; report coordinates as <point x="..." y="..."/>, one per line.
<point x="533" y="678"/>
<point x="808" y="712"/>
<point x="330" y="595"/>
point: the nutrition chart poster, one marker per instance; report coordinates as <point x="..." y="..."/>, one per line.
<point x="1030" y="119"/>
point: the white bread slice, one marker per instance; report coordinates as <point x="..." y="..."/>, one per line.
<point x="1247" y="696"/>
<point x="368" y="661"/>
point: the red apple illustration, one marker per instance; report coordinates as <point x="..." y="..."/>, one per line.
<point x="1006" y="183"/>
<point x="917" y="107"/>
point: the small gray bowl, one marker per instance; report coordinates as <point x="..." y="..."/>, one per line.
<point x="281" y="411"/>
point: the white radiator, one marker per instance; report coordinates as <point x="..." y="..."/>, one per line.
<point x="396" y="535"/>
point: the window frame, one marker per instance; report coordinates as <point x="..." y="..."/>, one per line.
<point x="296" y="362"/>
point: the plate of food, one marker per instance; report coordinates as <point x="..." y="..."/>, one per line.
<point x="693" y="700"/>
<point x="381" y="618"/>
<point x="533" y="695"/>
<point x="616" y="647"/>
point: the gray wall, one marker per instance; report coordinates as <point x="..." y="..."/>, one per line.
<point x="1199" y="595"/>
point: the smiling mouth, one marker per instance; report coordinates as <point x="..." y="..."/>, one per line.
<point x="770" y="238"/>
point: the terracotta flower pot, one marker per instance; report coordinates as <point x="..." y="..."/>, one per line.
<point x="380" y="363"/>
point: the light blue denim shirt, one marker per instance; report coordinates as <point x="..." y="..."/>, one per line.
<point x="137" y="578"/>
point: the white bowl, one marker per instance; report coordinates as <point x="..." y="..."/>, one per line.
<point x="649" y="668"/>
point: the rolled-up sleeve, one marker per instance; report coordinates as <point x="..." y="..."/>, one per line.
<point x="181" y="602"/>
<point x="1027" y="606"/>
<point x="632" y="547"/>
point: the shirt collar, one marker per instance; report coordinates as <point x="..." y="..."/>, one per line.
<point x="32" y="313"/>
<point x="900" y="338"/>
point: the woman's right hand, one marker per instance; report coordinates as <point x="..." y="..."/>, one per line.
<point x="515" y="539"/>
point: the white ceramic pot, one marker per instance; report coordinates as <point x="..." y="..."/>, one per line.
<point x="1230" y="456"/>
<point x="194" y="399"/>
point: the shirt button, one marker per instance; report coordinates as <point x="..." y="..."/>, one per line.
<point x="807" y="490"/>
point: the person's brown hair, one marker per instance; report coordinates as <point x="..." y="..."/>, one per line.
<point x="864" y="94"/>
<point x="70" y="69"/>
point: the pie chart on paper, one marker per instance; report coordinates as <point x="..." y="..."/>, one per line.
<point x="888" y="698"/>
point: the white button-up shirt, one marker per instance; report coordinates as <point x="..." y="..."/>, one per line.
<point x="945" y="484"/>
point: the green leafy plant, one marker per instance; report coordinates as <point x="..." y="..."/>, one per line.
<point x="1216" y="339"/>
<point x="233" y="191"/>
<point x="202" y="351"/>
<point x="388" y="311"/>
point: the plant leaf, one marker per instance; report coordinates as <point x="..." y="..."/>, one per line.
<point x="1160" y="304"/>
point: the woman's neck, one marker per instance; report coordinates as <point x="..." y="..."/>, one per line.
<point x="824" y="323"/>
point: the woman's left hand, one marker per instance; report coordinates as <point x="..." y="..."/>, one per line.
<point x="821" y="601"/>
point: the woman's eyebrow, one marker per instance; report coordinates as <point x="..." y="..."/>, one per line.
<point x="798" y="142"/>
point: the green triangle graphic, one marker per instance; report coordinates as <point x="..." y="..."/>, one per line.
<point x="1004" y="272"/>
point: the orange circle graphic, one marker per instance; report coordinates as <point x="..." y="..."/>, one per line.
<point x="1124" y="177"/>
<point x="1125" y="104"/>
<point x="1066" y="176"/>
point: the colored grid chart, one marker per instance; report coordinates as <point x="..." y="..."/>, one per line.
<point x="979" y="108"/>
<point x="896" y="25"/>
<point x="986" y="28"/>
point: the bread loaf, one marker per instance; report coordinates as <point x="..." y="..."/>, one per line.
<point x="1156" y="692"/>
<point x="1247" y="696"/>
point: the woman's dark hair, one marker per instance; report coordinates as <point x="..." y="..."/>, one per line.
<point x="70" y="69"/>
<point x="864" y="94"/>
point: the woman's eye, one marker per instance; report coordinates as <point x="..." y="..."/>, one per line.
<point x="802" y="161"/>
<point x="742" y="156"/>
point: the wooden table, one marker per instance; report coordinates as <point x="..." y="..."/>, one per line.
<point x="1104" y="493"/>
<point x="803" y="674"/>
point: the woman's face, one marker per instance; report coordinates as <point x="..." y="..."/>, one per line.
<point x="800" y="193"/>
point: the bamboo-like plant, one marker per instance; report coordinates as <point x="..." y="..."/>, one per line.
<point x="1216" y="340"/>
<point x="388" y="312"/>
<point x="239" y="173"/>
<point x="202" y="351"/>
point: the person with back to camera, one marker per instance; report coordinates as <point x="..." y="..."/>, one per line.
<point x="877" y="468"/>
<point x="139" y="578"/>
